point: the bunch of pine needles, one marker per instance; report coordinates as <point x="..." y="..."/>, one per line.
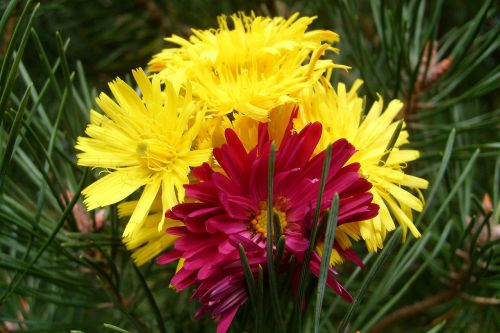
<point x="61" y="265"/>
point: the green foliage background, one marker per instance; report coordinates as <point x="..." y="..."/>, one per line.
<point x="56" y="56"/>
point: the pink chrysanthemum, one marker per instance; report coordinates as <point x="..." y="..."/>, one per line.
<point x="231" y="209"/>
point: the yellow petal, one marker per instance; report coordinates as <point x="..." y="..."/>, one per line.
<point x="253" y="111"/>
<point x="402" y="156"/>
<point x="197" y="157"/>
<point x="143" y="206"/>
<point x="95" y="117"/>
<point x="415" y="182"/>
<point x="400" y="215"/>
<point x="169" y="197"/>
<point x="126" y="208"/>
<point x="113" y="187"/>
<point x="153" y="248"/>
<point x="148" y="242"/>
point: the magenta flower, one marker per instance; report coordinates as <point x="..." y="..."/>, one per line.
<point x="231" y="209"/>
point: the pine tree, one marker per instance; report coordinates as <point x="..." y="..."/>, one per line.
<point x="65" y="269"/>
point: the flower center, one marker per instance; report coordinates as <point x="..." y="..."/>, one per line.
<point x="156" y="155"/>
<point x="259" y="223"/>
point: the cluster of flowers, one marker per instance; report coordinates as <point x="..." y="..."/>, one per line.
<point x="194" y="141"/>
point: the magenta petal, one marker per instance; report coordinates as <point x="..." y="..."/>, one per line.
<point x="340" y="184"/>
<point x="178" y="231"/>
<point x="248" y="244"/>
<point x="297" y="213"/>
<point x="239" y="208"/>
<point x="222" y="287"/>
<point x="180" y="212"/>
<point x="299" y="148"/>
<point x="196" y="226"/>
<point x="234" y="142"/>
<point x="330" y="280"/>
<point x="224" y="184"/>
<point x="205" y="192"/>
<point x="342" y="150"/>
<point x="171" y="215"/>
<point x="287" y="182"/>
<point x="314" y="167"/>
<point x="337" y="287"/>
<point x="255" y="259"/>
<point x="197" y="242"/>
<point x="232" y="157"/>
<point x="352" y="208"/>
<point x="201" y="311"/>
<point x="226" y="247"/>
<point x="360" y="201"/>
<point x="234" y="298"/>
<point x="168" y="257"/>
<point x="296" y="243"/>
<point x="263" y="135"/>
<point x="203" y="172"/>
<point x="359" y="186"/>
<point x="367" y="213"/>
<point x="183" y="279"/>
<point x="307" y="194"/>
<point x="225" y="319"/>
<point x="204" y="211"/>
<point x="258" y="178"/>
<point x="206" y="271"/>
<point x="289" y="129"/>
<point x="350" y="254"/>
<point x="203" y="258"/>
<point x="225" y="224"/>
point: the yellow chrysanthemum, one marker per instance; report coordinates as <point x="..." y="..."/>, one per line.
<point x="247" y="128"/>
<point x="148" y="241"/>
<point x="142" y="143"/>
<point x="258" y="64"/>
<point x="212" y="132"/>
<point x="341" y="114"/>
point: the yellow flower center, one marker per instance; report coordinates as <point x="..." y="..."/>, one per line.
<point x="259" y="223"/>
<point x="156" y="155"/>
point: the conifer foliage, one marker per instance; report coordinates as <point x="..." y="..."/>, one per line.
<point x="179" y="161"/>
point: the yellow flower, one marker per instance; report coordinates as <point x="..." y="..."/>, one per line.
<point x="254" y="66"/>
<point x="142" y="143"/>
<point x="247" y="128"/>
<point x="341" y="113"/>
<point x="212" y="132"/>
<point x="148" y="241"/>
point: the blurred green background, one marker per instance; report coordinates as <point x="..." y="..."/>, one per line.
<point x="58" y="276"/>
